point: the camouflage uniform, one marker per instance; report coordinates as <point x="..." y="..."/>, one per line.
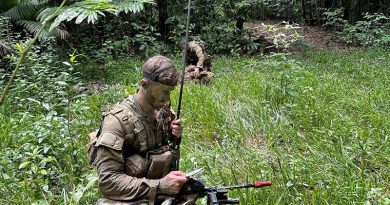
<point x="197" y="57"/>
<point x="131" y="149"/>
<point x="132" y="154"/>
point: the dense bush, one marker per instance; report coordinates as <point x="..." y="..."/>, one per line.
<point x="39" y="140"/>
<point x="374" y="30"/>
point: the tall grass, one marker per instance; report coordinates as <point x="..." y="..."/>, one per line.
<point x="316" y="124"/>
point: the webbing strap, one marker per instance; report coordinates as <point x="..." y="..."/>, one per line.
<point x="152" y="193"/>
<point x="139" y="128"/>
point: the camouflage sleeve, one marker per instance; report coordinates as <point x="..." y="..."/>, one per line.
<point x="199" y="53"/>
<point x="114" y="184"/>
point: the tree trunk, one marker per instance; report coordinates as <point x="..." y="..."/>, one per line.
<point x="346" y="5"/>
<point x="304" y="11"/>
<point x="162" y="17"/>
<point x="354" y="13"/>
<point x="240" y="23"/>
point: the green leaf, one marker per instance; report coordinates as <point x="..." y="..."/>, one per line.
<point x="61" y="83"/>
<point x="47" y="159"/>
<point x="79" y="96"/>
<point x="24" y="164"/>
<point x="46" y="105"/>
<point x="43" y="172"/>
<point x="67" y="63"/>
<point x="33" y="100"/>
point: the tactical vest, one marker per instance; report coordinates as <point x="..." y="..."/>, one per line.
<point x="146" y="151"/>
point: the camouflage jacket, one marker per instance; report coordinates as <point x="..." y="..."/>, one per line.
<point x="132" y="153"/>
<point x="196" y="54"/>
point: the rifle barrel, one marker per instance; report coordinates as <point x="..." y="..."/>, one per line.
<point x="257" y="184"/>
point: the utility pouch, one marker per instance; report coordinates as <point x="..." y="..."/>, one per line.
<point x="136" y="166"/>
<point x="160" y="162"/>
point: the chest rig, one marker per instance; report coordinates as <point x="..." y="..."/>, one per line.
<point x="146" y="147"/>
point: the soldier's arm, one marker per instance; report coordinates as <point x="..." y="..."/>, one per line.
<point x="113" y="182"/>
<point x="199" y="53"/>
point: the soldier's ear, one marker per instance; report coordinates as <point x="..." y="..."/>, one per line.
<point x="144" y="83"/>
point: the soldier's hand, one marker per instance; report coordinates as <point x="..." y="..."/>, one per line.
<point x="172" y="183"/>
<point x="176" y="128"/>
<point x="197" y="72"/>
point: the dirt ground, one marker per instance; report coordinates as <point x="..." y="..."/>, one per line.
<point x="312" y="36"/>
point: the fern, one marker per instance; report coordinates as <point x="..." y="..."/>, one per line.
<point x="132" y="6"/>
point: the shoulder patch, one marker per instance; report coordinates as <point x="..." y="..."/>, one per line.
<point x="110" y="140"/>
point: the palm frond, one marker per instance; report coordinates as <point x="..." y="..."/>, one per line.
<point x="132" y="6"/>
<point x="47" y="12"/>
<point x="34" y="27"/>
<point x="25" y="9"/>
<point x="36" y="2"/>
<point x="88" y="9"/>
<point x="21" y="11"/>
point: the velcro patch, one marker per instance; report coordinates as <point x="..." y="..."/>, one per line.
<point x="110" y="140"/>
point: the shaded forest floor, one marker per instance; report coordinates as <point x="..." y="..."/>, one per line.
<point x="313" y="37"/>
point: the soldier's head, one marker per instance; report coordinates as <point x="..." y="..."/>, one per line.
<point x="159" y="79"/>
<point x="183" y="43"/>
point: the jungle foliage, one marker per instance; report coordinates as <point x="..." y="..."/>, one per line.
<point x="315" y="123"/>
<point x="139" y="28"/>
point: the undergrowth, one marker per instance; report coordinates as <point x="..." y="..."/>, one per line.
<point x="316" y="124"/>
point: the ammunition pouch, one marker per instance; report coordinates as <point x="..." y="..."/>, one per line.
<point x="156" y="165"/>
<point x="160" y="162"/>
<point x="136" y="166"/>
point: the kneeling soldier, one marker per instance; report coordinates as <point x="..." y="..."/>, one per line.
<point x="198" y="68"/>
<point x="131" y="153"/>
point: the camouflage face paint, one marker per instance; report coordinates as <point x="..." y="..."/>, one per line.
<point x="158" y="94"/>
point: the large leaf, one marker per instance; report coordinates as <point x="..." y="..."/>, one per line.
<point x="132" y="6"/>
<point x="90" y="10"/>
<point x="7" y="4"/>
<point x="21" y="11"/>
<point x="33" y="27"/>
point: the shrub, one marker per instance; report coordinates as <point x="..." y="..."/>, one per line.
<point x="374" y="30"/>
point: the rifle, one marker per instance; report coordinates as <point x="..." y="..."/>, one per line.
<point x="215" y="195"/>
